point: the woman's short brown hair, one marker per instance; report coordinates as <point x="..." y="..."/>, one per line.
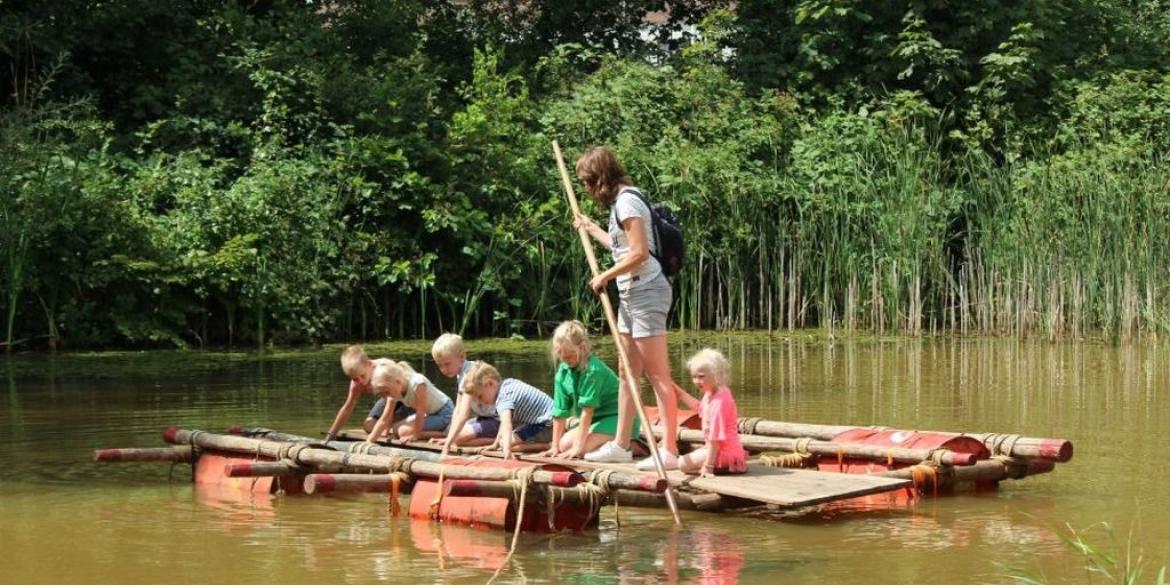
<point x="599" y="167"/>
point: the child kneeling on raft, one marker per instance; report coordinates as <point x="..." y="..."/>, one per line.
<point x="429" y="410"/>
<point x="524" y="412"/>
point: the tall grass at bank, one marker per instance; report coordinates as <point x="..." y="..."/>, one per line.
<point x="1069" y="246"/>
<point x="1107" y="562"/>
<point x="875" y="231"/>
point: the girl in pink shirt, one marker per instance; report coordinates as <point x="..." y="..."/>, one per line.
<point x="722" y="452"/>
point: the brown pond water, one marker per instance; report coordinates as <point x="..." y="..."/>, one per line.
<point x="64" y="519"/>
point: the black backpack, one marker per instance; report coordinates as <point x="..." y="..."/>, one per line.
<point x="668" y="235"/>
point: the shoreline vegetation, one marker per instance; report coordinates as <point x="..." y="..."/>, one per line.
<point x="277" y="174"/>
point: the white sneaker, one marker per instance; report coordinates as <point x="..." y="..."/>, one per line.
<point x="669" y="461"/>
<point x="610" y="452"/>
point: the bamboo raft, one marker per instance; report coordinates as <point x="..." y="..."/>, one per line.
<point x="794" y="467"/>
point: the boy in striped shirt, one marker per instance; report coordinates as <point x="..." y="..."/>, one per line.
<point x="525" y="413"/>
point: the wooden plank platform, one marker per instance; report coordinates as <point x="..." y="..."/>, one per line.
<point x="787" y="488"/>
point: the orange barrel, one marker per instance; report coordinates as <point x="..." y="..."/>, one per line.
<point x="898" y="439"/>
<point x="495" y="512"/>
<point x="212" y="469"/>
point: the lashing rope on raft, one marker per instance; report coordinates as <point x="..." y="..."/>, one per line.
<point x="600" y="478"/>
<point x="1001" y="444"/>
<point x="521" y="481"/>
<point x="395" y="484"/>
<point x="800" y="456"/>
<point x="747" y="425"/>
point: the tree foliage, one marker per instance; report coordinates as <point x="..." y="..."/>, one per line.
<point x="295" y="172"/>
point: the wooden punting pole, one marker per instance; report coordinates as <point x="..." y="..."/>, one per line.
<point x="309" y="456"/>
<point x="327" y="483"/>
<point x="176" y="454"/>
<point x="756" y="443"/>
<point x="1060" y="450"/>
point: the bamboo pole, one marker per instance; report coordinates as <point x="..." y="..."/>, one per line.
<point x="327" y="483"/>
<point x="311" y="456"/>
<point x="176" y="454"/>
<point x="623" y="359"/>
<point x="756" y="443"/>
<point x="1060" y="450"/>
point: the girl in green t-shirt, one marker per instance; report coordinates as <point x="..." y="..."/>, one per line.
<point x="585" y="388"/>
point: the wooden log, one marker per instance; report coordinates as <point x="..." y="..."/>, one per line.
<point x="472" y="488"/>
<point x="175" y="454"/>
<point x="344" y="446"/>
<point x="686" y="501"/>
<point x="615" y="480"/>
<point x="995" y="469"/>
<point x="312" y="457"/>
<point x="757" y="443"/>
<point x="327" y="483"/>
<point x="1060" y="450"/>
<point x="262" y="469"/>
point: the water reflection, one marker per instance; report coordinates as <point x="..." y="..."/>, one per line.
<point x="1111" y="401"/>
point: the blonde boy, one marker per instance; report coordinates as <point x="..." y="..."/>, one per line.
<point x="524" y="412"/>
<point x="359" y="368"/>
<point x="451" y="357"/>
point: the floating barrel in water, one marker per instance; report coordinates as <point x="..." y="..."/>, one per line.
<point x="899" y="439"/>
<point x="498" y="505"/>
<point x="230" y="473"/>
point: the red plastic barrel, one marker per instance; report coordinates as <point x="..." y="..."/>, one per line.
<point x="898" y="439"/>
<point x="497" y="513"/>
<point x="210" y="471"/>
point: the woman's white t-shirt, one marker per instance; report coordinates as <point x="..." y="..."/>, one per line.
<point x="626" y="206"/>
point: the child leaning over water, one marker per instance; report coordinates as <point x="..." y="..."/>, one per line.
<point x="359" y="368"/>
<point x="524" y="412"/>
<point x="722" y="452"/>
<point x="431" y="409"/>
<point x="586" y="388"/>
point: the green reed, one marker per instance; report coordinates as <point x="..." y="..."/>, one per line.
<point x="1108" y="561"/>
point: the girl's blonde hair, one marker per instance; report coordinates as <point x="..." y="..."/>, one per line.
<point x="481" y="372"/>
<point x="711" y="362"/>
<point x="386" y="374"/>
<point x="409" y="369"/>
<point x="571" y="334"/>
<point x="447" y="345"/>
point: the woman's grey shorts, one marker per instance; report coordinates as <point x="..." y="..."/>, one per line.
<point x="643" y="309"/>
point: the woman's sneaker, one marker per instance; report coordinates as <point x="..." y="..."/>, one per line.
<point x="610" y="452"/>
<point x="669" y="461"/>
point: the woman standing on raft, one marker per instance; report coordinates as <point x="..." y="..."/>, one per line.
<point x="645" y="296"/>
